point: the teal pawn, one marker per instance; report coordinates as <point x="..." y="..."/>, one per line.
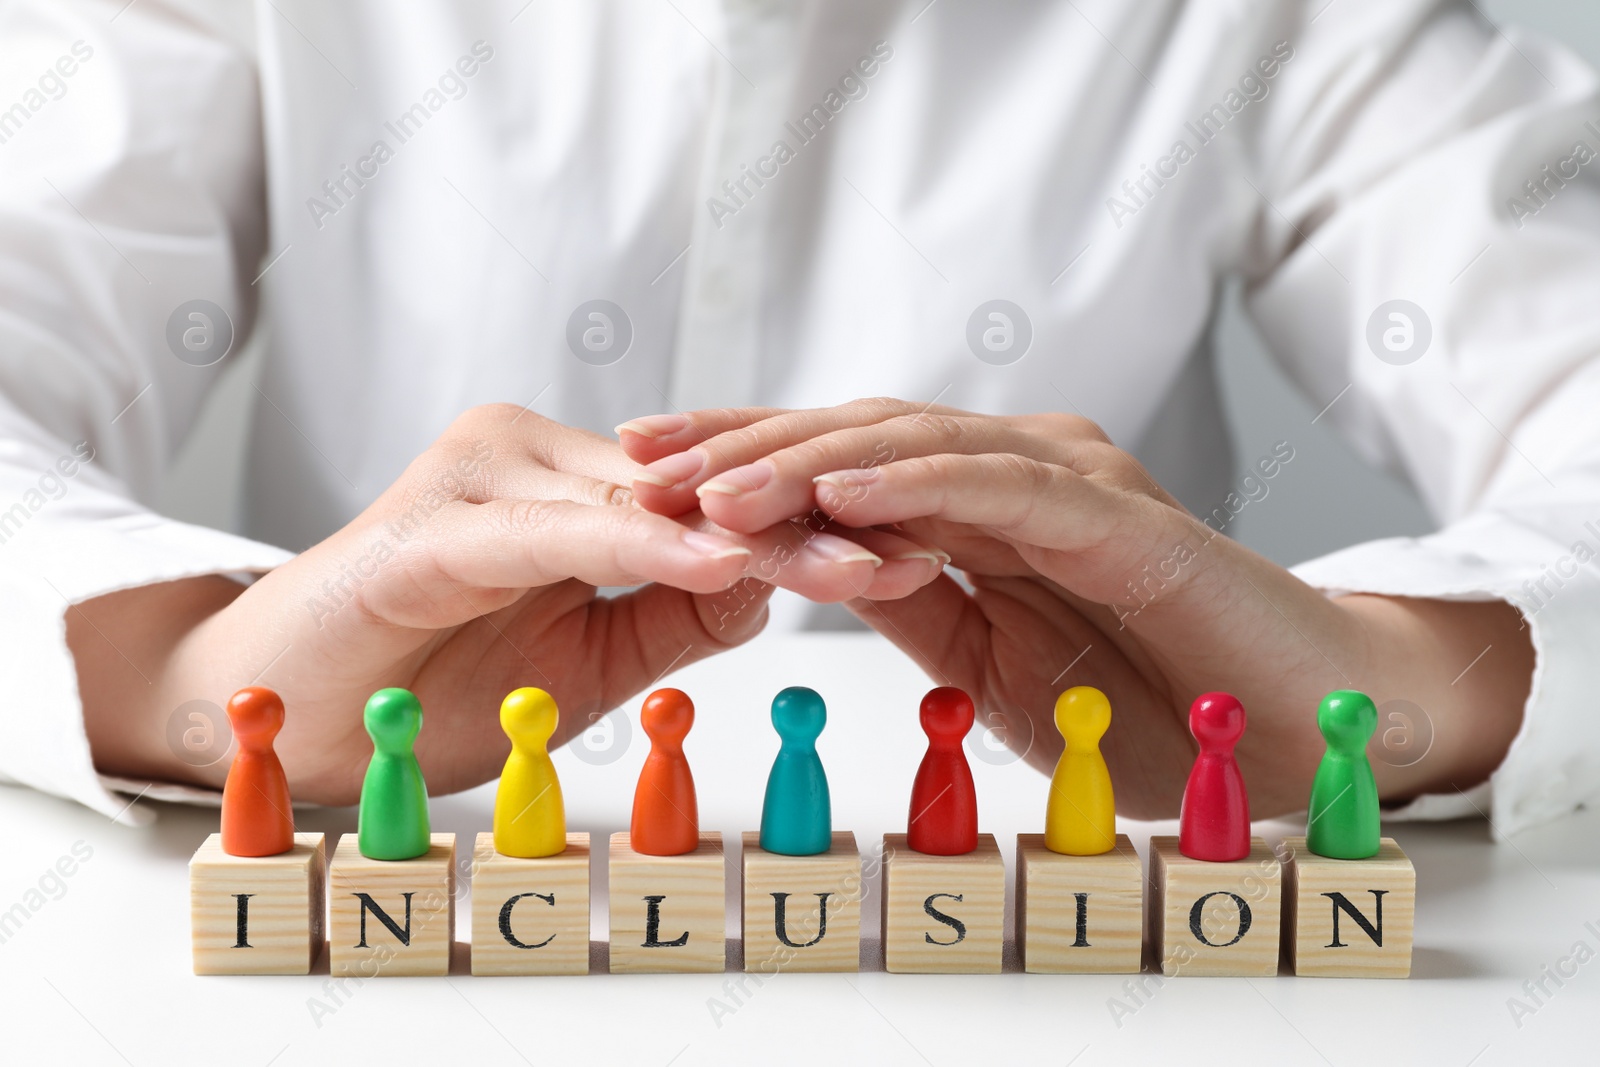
<point x="393" y="822"/>
<point x="1343" y="820"/>
<point x="797" y="818"/>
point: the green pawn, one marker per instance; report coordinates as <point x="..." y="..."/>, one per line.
<point x="796" y="817"/>
<point x="1343" y="820"/>
<point x="393" y="822"/>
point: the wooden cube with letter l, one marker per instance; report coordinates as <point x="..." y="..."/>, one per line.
<point x="1079" y="914"/>
<point x="257" y="914"/>
<point x="530" y="916"/>
<point x="1215" y="918"/>
<point x="802" y="913"/>
<point x="391" y="917"/>
<point x="668" y="913"/>
<point x="1349" y="918"/>
<point x="943" y="914"/>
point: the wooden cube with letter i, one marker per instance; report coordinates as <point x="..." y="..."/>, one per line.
<point x="1216" y="891"/>
<point x="530" y="878"/>
<point x="667" y="879"/>
<point x="944" y="884"/>
<point x="801" y="881"/>
<point x="1080" y="886"/>
<point x="391" y="886"/>
<point x="256" y="889"/>
<point x="1349" y="893"/>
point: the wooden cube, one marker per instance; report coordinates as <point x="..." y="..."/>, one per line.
<point x="1349" y="918"/>
<point x="257" y="914"/>
<point x="530" y="916"/>
<point x="1215" y="918"/>
<point x="1079" y="914"/>
<point x="391" y="917"/>
<point x="802" y="913"/>
<point x="668" y="913"/>
<point x="943" y="914"/>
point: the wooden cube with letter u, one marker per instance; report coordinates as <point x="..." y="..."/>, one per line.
<point x="391" y="917"/>
<point x="943" y="914"/>
<point x="1349" y="918"/>
<point x="1215" y="918"/>
<point x="802" y="913"/>
<point x="530" y="916"/>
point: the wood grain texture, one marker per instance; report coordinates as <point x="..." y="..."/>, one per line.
<point x="1309" y="938"/>
<point x="1048" y="887"/>
<point x="283" y="913"/>
<point x="543" y="904"/>
<point x="822" y="934"/>
<point x="431" y="881"/>
<point x="915" y="885"/>
<point x="692" y="905"/>
<point x="1208" y="940"/>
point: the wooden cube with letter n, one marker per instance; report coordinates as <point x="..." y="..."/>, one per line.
<point x="802" y="913"/>
<point x="1349" y="918"/>
<point x="1211" y="918"/>
<point x="391" y="917"/>
<point x="530" y="916"/>
<point x="257" y="914"/>
<point x="1079" y="914"/>
<point x="668" y="913"/>
<point x="943" y="914"/>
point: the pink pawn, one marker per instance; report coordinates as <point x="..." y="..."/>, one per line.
<point x="1215" y="822"/>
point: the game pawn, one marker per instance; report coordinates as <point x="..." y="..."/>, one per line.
<point x="943" y="881"/>
<point x="1216" y="890"/>
<point x="1080" y="886"/>
<point x="666" y="888"/>
<point x="530" y="878"/>
<point x="802" y="881"/>
<point x="256" y="888"/>
<point x="392" y="883"/>
<point x="1343" y="869"/>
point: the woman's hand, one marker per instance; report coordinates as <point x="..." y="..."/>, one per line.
<point x="1084" y="571"/>
<point x="475" y="573"/>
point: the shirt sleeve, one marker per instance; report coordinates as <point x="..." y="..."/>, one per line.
<point x="131" y="190"/>
<point x="1425" y="259"/>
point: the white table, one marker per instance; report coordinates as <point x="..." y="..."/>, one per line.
<point x="102" y="974"/>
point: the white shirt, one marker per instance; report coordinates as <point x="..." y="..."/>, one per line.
<point x="420" y="201"/>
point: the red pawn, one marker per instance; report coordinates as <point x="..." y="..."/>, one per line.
<point x="666" y="819"/>
<point x="256" y="817"/>
<point x="944" y="803"/>
<point x="1215" y="821"/>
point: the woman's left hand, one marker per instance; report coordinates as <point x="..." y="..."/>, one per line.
<point x="1083" y="571"/>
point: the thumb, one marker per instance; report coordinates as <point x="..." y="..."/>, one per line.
<point x="658" y="629"/>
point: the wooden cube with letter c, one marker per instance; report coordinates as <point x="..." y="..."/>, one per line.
<point x="1349" y="918"/>
<point x="391" y="917"/>
<point x="802" y="913"/>
<point x="943" y="914"/>
<point x="530" y="916"/>
<point x="668" y="913"/>
<point x="257" y="914"/>
<point x="1215" y="918"/>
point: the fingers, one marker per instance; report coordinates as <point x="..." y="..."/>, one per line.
<point x="781" y="483"/>
<point x="667" y="485"/>
<point x="647" y="439"/>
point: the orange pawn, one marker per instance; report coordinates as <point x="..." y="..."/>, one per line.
<point x="256" y="817"/>
<point x="666" y="820"/>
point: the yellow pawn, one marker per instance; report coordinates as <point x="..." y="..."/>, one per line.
<point x="1081" y="816"/>
<point x="530" y="819"/>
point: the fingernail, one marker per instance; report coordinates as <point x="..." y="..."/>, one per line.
<point x="847" y="480"/>
<point x="711" y="546"/>
<point x="738" y="481"/>
<point x="653" y="426"/>
<point x="838" y="550"/>
<point x="938" y="558"/>
<point x="672" y="470"/>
